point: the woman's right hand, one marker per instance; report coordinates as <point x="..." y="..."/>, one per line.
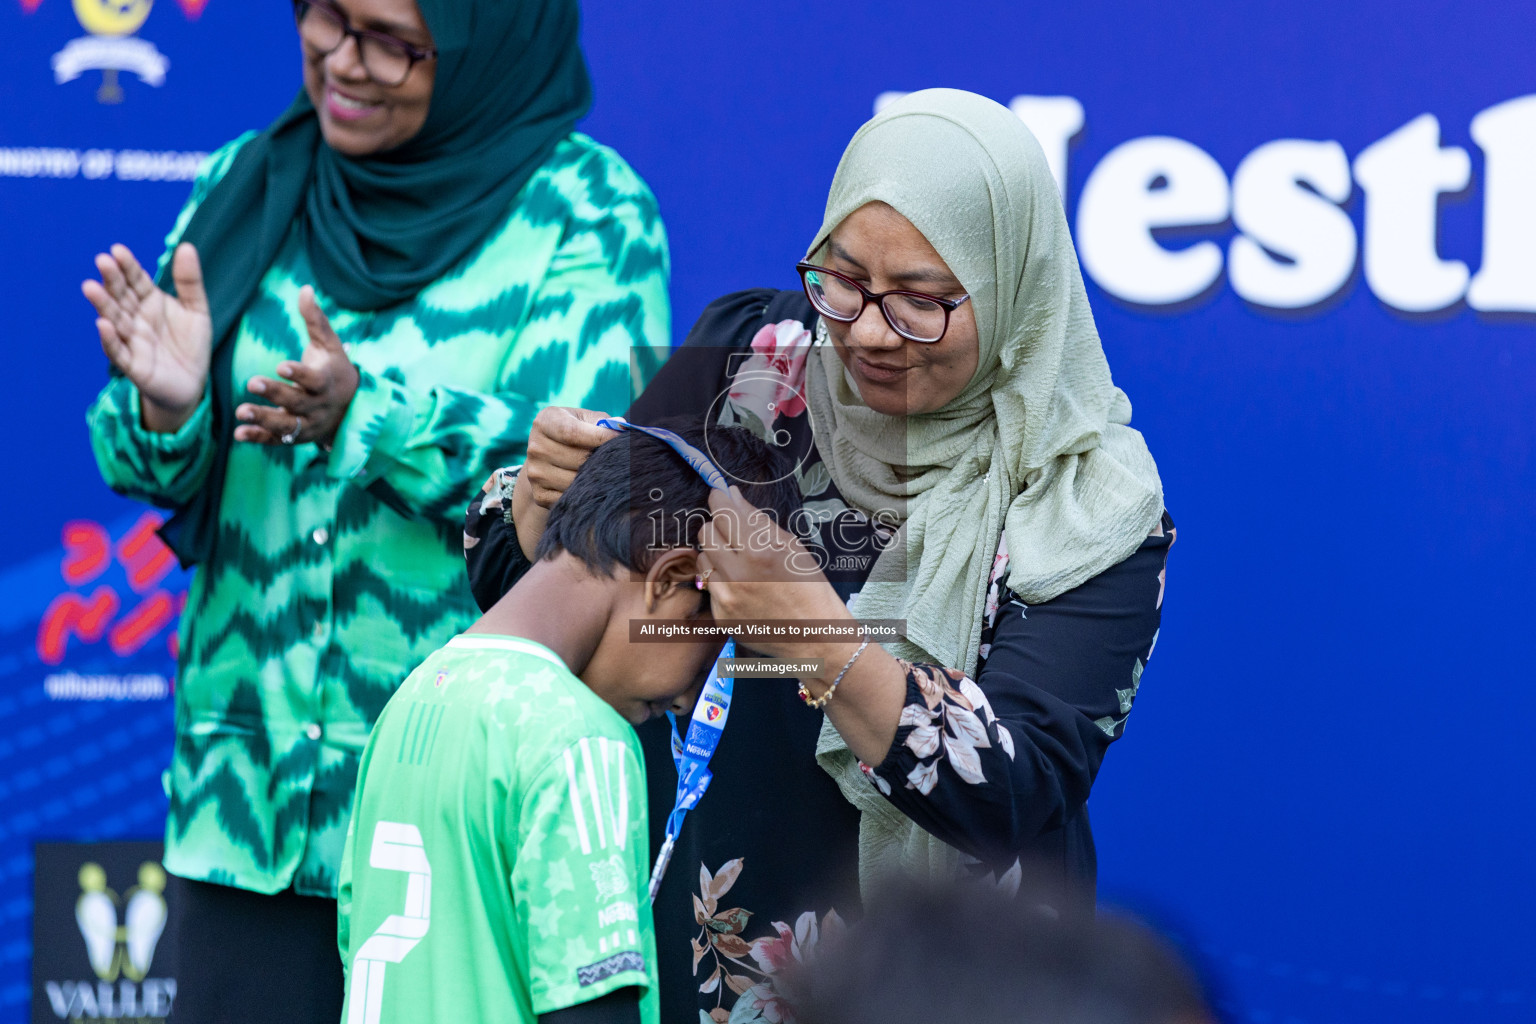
<point x="558" y="443"/>
<point x="160" y="342"/>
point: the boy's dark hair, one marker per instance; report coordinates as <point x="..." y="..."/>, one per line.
<point x="635" y="497"/>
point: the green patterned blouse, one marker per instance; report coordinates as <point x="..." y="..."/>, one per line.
<point x="332" y="576"/>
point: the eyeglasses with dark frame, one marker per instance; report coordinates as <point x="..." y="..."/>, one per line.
<point x="387" y="59"/>
<point x="913" y="315"/>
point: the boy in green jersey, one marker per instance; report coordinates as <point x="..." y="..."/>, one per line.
<point x="497" y="859"/>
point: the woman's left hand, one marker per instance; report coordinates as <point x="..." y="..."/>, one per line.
<point x="759" y="571"/>
<point x="754" y="569"/>
<point x="312" y="399"/>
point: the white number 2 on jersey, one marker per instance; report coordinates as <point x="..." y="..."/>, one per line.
<point x="396" y="847"/>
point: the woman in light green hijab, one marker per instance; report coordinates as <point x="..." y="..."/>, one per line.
<point x="968" y="469"/>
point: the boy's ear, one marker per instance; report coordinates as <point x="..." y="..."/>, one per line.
<point x="676" y="569"/>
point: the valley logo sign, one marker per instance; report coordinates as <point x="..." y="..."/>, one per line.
<point x="113" y="937"/>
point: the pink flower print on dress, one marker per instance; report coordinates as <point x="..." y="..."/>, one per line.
<point x="994" y="583"/>
<point x="771" y="382"/>
<point x="769" y="1005"/>
<point x="777" y="954"/>
<point x="791" y="948"/>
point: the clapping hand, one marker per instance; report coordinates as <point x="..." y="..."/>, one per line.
<point x="312" y="398"/>
<point x="158" y="341"/>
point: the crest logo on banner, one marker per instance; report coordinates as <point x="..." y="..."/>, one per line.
<point x="111" y="47"/>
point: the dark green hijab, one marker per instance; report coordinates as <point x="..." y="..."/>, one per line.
<point x="511" y="82"/>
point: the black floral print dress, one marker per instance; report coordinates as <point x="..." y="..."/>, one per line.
<point x="999" y="766"/>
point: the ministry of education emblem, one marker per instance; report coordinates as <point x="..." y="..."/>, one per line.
<point x="111" y="47"/>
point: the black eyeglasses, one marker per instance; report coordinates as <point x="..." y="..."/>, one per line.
<point x="913" y="315"/>
<point x="388" y="60"/>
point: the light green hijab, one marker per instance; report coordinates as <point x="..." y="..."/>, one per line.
<point x="1035" y="450"/>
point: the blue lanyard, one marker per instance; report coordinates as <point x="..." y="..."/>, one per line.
<point x="691" y="753"/>
<point x="702" y="464"/>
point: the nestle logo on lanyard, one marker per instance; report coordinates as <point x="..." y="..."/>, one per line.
<point x="692" y="749"/>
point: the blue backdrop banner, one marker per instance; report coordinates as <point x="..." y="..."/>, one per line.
<point x="1309" y="236"/>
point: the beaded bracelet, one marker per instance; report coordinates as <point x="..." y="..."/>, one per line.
<point x="817" y="703"/>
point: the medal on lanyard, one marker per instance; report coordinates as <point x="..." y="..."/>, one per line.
<point x="691" y="753"/>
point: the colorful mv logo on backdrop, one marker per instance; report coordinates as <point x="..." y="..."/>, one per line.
<point x="88" y="553"/>
<point x="111" y="46"/>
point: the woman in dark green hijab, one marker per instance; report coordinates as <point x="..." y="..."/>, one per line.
<point x="360" y="311"/>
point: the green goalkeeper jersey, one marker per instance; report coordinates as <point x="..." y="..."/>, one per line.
<point x="496" y="865"/>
